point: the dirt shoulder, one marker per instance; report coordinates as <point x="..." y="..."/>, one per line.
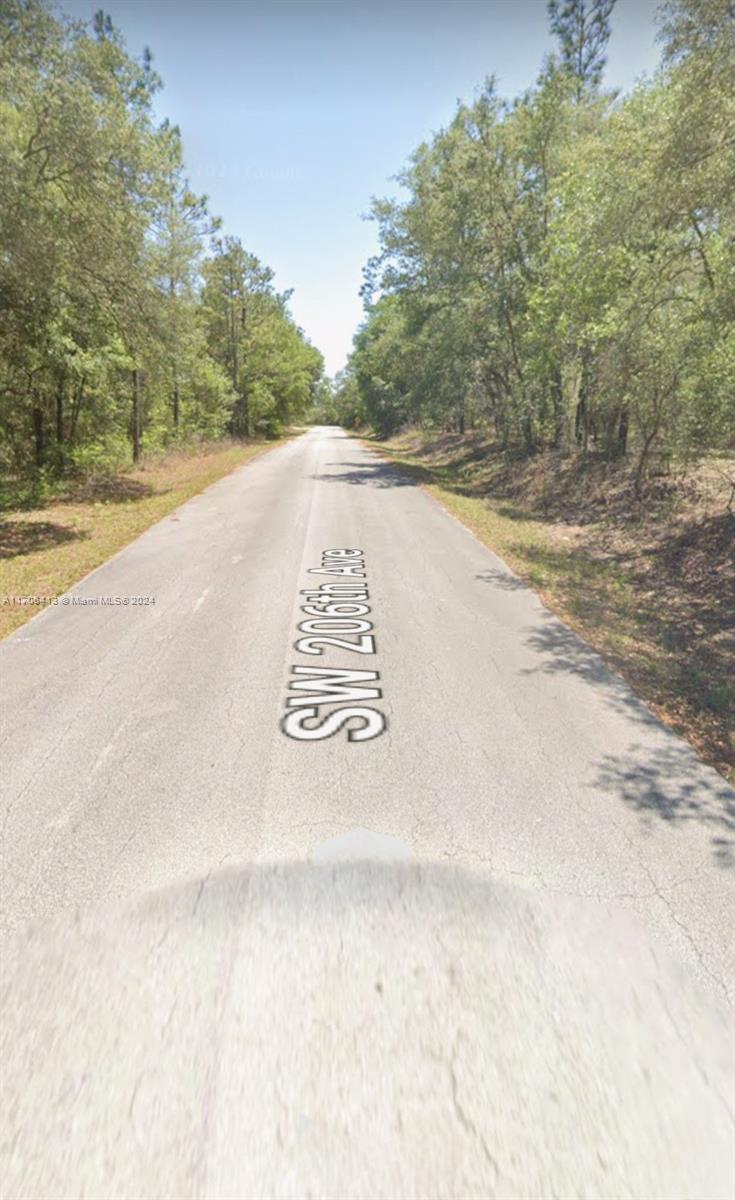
<point x="650" y="585"/>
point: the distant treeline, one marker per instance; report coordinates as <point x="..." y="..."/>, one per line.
<point x="116" y="333"/>
<point x="562" y="269"/>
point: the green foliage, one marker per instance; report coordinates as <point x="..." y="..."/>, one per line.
<point x="272" y="368"/>
<point x="324" y="409"/>
<point x="563" y="268"/>
<point x="106" y="344"/>
<point x="582" y="28"/>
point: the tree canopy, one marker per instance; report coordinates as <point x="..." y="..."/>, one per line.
<point x="562" y="267"/>
<point x="117" y="333"/>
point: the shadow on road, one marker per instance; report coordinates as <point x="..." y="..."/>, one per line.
<point x="670" y="784"/>
<point x="379" y="474"/>
<point x="564" y="651"/>
<point x="667" y="781"/>
<point x="502" y="579"/>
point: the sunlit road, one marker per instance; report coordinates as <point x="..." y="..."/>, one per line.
<point x="146" y="774"/>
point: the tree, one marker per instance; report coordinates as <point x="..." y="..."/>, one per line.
<point x="583" y="30"/>
<point x="561" y="269"/>
<point x="271" y="366"/>
<point x="104" y="340"/>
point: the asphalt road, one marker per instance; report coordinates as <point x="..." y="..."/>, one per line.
<point x="182" y="1017"/>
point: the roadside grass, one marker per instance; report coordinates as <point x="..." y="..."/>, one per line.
<point x="47" y="544"/>
<point x="651" y="587"/>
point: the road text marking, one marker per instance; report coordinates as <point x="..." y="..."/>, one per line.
<point x="335" y="616"/>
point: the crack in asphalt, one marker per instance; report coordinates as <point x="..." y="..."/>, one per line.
<point x="465" y="1120"/>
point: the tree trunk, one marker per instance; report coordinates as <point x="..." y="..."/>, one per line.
<point x="622" y="445"/>
<point x="176" y="404"/>
<point x="39" y="435"/>
<point x="76" y="406"/>
<point x="60" y="457"/>
<point x="60" y="413"/>
<point x="558" y="406"/>
<point x="582" y="414"/>
<point x="135" y="422"/>
<point x="232" y="335"/>
<point x="640" y="473"/>
<point x="581" y="425"/>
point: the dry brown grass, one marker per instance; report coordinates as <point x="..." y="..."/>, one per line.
<point x="650" y="585"/>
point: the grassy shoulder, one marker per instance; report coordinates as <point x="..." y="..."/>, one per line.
<point x="650" y="585"/>
<point x="47" y="545"/>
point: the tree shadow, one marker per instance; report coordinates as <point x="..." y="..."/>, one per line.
<point x="566" y="652"/>
<point x="100" y="489"/>
<point x="665" y="780"/>
<point x="502" y="579"/>
<point x="442" y="475"/>
<point x="108" y="489"/>
<point x="379" y="474"/>
<point x="704" y="553"/>
<point x="671" y="641"/>
<point x="28" y="537"/>
<point x="513" y="513"/>
<point x="670" y="784"/>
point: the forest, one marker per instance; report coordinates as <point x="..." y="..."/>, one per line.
<point x="559" y="269"/>
<point x="129" y="320"/>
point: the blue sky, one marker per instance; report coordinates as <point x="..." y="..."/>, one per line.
<point x="295" y="112"/>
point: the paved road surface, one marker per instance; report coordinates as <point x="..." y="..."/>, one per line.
<point x="143" y="756"/>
